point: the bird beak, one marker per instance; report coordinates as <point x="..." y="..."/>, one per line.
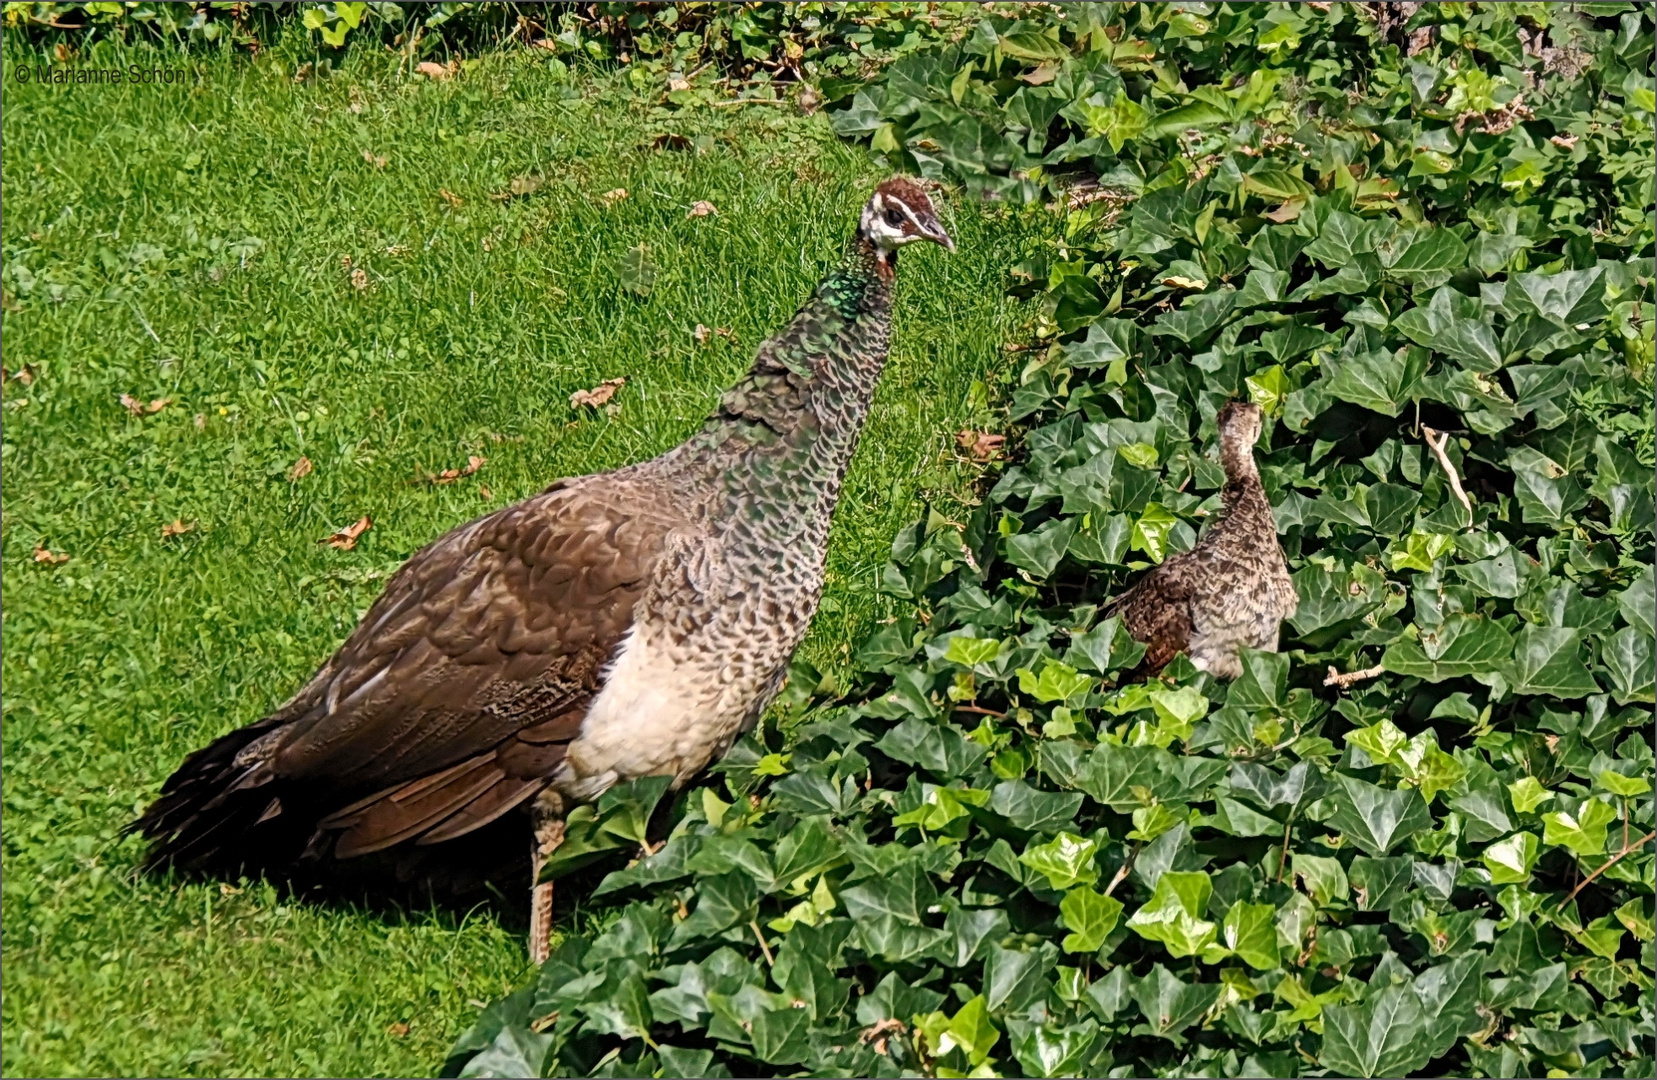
<point x="935" y="233"/>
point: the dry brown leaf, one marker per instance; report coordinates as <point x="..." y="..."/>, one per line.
<point x="727" y="333"/>
<point x="701" y="334"/>
<point x="1041" y="76"/>
<point x="359" y="279"/>
<point x="397" y="251"/>
<point x="980" y="445"/>
<point x="377" y="160"/>
<point x="1287" y="212"/>
<point x="176" y="527"/>
<point x="544" y="43"/>
<point x="527" y="184"/>
<point x="346" y="538"/>
<point x="439" y="72"/>
<point x="485" y="494"/>
<point x="613" y="196"/>
<point x="301" y="469"/>
<point x="1564" y="142"/>
<point x="25" y="375"/>
<point x="138" y="408"/>
<point x="676" y="85"/>
<point x="398" y="1029"/>
<point x="51" y="558"/>
<point x="702" y="208"/>
<point x="451" y="198"/>
<point x="598" y="395"/>
<point x="449" y="476"/>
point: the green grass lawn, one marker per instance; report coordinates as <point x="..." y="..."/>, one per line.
<point x="276" y="261"/>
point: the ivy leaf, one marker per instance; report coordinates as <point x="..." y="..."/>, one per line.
<point x="1058" y="681"/>
<point x="1067" y="860"/>
<point x="1460" y="645"/>
<point x="1548" y="660"/>
<point x="971" y="1030"/>
<point x="1582" y="832"/>
<point x="1250" y="931"/>
<point x="1625" y="786"/>
<point x="1527" y="794"/>
<point x="1380" y="1037"/>
<point x="1090" y="917"/>
<point x="1150" y="532"/>
<point x="1375" y="818"/>
<point x="1510" y="860"/>
<point x="1630" y="657"/>
<point x="625" y="809"/>
<point x="1169" y="1003"/>
<point x="1032" y="809"/>
<point x="1173" y="914"/>
<point x="1323" y="878"/>
<point x="1039" y="552"/>
<point x="1379" y="883"/>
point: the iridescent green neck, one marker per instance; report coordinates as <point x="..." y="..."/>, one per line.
<point x="807" y="395"/>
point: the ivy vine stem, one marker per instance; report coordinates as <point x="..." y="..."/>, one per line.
<point x="1614" y="860"/>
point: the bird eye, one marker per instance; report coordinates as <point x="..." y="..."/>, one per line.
<point x="894" y="218"/>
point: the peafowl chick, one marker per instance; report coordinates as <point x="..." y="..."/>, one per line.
<point x="633" y="623"/>
<point x="1232" y="590"/>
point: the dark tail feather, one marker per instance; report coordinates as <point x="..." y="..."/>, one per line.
<point x="209" y="805"/>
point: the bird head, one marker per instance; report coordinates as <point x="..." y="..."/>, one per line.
<point x="1239" y="423"/>
<point x="899" y="213"/>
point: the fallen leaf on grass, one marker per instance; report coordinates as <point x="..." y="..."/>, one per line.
<point x="398" y="1029"/>
<point x="346" y="538"/>
<point x="598" y="395"/>
<point x="701" y="334"/>
<point x="980" y="445"/>
<point x="359" y="279"/>
<point x="451" y="198"/>
<point x="674" y="86"/>
<point x="301" y="469"/>
<point x="613" y="196"/>
<point x="138" y="408"/>
<point x="377" y="160"/>
<point x="485" y="494"/>
<point x="24" y="374"/>
<point x="51" y="558"/>
<point x="702" y="208"/>
<point x="449" y="476"/>
<point x="201" y="421"/>
<point x="176" y="527"/>
<point x="727" y="333"/>
<point x="527" y="184"/>
<point x="440" y="72"/>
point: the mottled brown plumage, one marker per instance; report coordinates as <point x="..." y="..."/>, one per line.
<point x="627" y="624"/>
<point x="1230" y="591"/>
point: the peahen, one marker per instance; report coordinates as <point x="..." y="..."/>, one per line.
<point x="628" y="624"/>
<point x="1232" y="590"/>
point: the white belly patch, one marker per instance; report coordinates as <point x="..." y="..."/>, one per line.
<point x="659" y="713"/>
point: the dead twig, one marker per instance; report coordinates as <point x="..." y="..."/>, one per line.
<point x="744" y="101"/>
<point x="1127" y="865"/>
<point x="1628" y="849"/>
<point x="980" y="710"/>
<point x="1436" y="445"/>
<point x="1335" y="678"/>
<point x="763" y="946"/>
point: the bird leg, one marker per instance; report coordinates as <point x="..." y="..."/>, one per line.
<point x="548" y="824"/>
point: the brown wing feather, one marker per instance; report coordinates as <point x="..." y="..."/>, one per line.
<point x="1157" y="611"/>
<point x="451" y="702"/>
